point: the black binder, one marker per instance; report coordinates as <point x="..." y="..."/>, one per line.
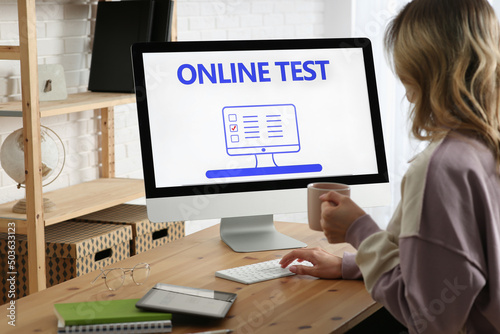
<point x="119" y="24"/>
<point x="162" y="19"/>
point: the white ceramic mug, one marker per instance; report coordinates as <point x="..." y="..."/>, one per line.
<point x="314" y="191"/>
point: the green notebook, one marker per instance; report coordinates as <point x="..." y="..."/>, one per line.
<point x="104" y="312"/>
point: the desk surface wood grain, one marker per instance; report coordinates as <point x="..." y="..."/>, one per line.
<point x="287" y="305"/>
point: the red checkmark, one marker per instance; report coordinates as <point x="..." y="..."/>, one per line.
<point x="234" y="127"/>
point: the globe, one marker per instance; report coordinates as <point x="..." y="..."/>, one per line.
<point x="12" y="158"/>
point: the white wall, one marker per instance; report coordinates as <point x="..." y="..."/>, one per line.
<point x="249" y="19"/>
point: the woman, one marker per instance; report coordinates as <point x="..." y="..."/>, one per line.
<point x="437" y="266"/>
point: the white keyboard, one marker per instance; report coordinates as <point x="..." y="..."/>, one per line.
<point x="258" y="272"/>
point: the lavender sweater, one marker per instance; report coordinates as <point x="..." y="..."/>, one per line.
<point x="437" y="266"/>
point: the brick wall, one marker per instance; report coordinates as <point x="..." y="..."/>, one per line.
<point x="249" y="19"/>
<point x="64" y="36"/>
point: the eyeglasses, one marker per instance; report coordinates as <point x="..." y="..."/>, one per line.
<point x="114" y="277"/>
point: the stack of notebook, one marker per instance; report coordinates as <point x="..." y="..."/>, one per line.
<point x="110" y="316"/>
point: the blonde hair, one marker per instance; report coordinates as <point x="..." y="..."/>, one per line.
<point x="447" y="51"/>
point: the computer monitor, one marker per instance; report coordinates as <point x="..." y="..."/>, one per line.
<point x="237" y="129"/>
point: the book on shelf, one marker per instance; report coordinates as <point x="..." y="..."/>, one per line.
<point x="111" y="316"/>
<point x="118" y="25"/>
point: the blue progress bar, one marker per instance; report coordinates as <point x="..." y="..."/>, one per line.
<point x="239" y="172"/>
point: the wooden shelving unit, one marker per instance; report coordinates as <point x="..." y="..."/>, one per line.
<point x="78" y="200"/>
<point x="73" y="201"/>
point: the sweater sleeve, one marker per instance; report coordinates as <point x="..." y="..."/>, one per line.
<point x="379" y="252"/>
<point x="350" y="269"/>
<point x="430" y="274"/>
<point x="433" y="289"/>
<point x="359" y="230"/>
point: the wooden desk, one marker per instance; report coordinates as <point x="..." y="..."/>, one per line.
<point x="287" y="305"/>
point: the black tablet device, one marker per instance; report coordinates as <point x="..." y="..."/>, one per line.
<point x="185" y="300"/>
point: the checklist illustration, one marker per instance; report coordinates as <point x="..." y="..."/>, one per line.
<point x="262" y="131"/>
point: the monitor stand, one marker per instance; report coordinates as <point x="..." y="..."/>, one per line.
<point x="254" y="234"/>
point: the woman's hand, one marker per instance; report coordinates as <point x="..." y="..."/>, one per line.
<point x="338" y="212"/>
<point x="326" y="265"/>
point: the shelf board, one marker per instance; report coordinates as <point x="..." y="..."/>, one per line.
<point x="10" y="52"/>
<point x="82" y="199"/>
<point x="74" y="103"/>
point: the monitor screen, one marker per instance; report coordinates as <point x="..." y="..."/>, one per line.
<point x="239" y="128"/>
